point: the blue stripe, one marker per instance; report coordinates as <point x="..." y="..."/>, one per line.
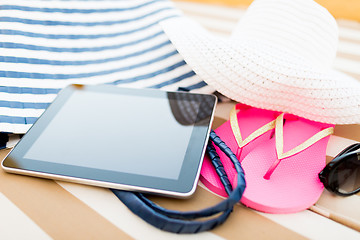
<point x="87" y="24"/>
<point x="73" y="36"/>
<point x="24" y="105"/>
<point x="28" y="90"/>
<point x="94" y="49"/>
<point x="71" y="10"/>
<point x="10" y="59"/>
<point x="13" y="104"/>
<point x="149" y="75"/>
<point x="174" y="80"/>
<point x="13" y="74"/>
<point x="197" y="85"/>
<point x="18" y="120"/>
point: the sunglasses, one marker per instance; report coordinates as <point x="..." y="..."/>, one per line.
<point x="342" y="175"/>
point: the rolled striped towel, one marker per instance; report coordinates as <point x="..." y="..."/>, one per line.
<point x="47" y="45"/>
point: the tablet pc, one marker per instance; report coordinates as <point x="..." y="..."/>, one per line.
<point x="133" y="139"/>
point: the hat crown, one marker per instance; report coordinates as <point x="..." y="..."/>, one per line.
<point x="300" y="27"/>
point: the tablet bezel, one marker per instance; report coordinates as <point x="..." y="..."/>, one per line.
<point x="184" y="186"/>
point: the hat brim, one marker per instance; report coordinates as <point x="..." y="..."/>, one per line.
<point x="264" y="76"/>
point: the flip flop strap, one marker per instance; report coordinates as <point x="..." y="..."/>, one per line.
<point x="279" y="134"/>
<point x="279" y="143"/>
<point x="236" y="129"/>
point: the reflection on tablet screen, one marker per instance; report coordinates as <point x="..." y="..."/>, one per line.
<point x="129" y="135"/>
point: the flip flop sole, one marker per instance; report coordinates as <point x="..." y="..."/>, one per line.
<point x="294" y="184"/>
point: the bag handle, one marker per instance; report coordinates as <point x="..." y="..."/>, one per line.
<point x="184" y="222"/>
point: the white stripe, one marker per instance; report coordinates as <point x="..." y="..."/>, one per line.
<point x="161" y="78"/>
<point x="55" y="84"/>
<point x="129" y="73"/>
<point x="48" y="83"/>
<point x="68" y="30"/>
<point x="75" y="4"/>
<point x="347" y="65"/>
<point x="25" y="97"/>
<point x="349" y="48"/>
<point x="313" y="226"/>
<point x="349" y="33"/>
<point x="90" y="17"/>
<point x="107" y="205"/>
<point x="19" y="112"/>
<point x="83" y="43"/>
<point x="14" y="128"/>
<point x="337" y="144"/>
<point x="97" y="67"/>
<point x="88" y="56"/>
<point x="14" y="224"/>
<point x="342" y="206"/>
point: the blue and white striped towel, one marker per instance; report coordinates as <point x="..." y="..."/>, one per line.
<point x="47" y="45"/>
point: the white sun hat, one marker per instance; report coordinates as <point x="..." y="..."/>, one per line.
<point x="279" y="57"/>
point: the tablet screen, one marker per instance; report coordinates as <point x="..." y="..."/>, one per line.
<point x="129" y="129"/>
<point x="132" y="139"/>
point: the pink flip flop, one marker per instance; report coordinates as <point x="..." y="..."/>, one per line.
<point x="255" y="125"/>
<point x="282" y="173"/>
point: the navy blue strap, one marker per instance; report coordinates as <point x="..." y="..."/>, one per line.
<point x="161" y="221"/>
<point x="219" y="168"/>
<point x="179" y="222"/>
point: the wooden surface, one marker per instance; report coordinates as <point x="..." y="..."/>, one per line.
<point x="47" y="209"/>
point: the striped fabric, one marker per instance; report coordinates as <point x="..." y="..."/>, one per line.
<point x="46" y="45"/>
